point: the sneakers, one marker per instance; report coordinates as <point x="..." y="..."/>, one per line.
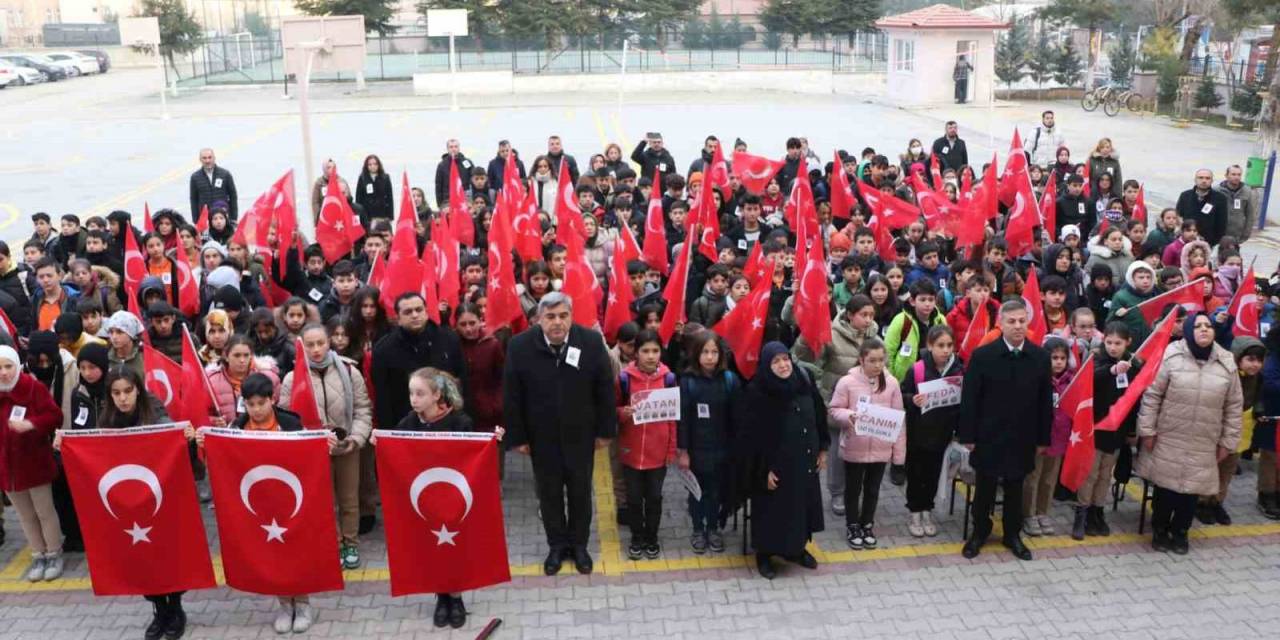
<point x="350" y="555"/>
<point x="853" y="535"/>
<point x="837" y="505"/>
<point x="698" y="541"/>
<point x="635" y="551"/>
<point x="930" y="527"/>
<point x="868" y="538"/>
<point x="915" y="526"/>
<point x="53" y="565"/>
<point x="715" y="541"/>
<point x="303" y="616"/>
<point x="652" y="550"/>
<point x="1031" y="526"/>
<point x="36" y="572"/>
<point x="1046" y="525"/>
<point x="284" y="620"/>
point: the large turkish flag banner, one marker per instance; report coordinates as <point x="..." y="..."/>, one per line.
<point x="136" y="499"/>
<point x="273" y="500"/>
<point x="443" y="511"/>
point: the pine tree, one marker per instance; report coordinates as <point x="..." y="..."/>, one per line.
<point x="1206" y="96"/>
<point x="1011" y="52"/>
<point x="377" y="13"/>
<point x="1067" y="67"/>
<point x="1122" y="60"/>
<point x="1042" y="60"/>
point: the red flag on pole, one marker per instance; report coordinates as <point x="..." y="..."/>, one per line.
<point x="754" y="172"/>
<point x="579" y="282"/>
<point x="148" y="225"/>
<point x="1189" y="295"/>
<point x="377" y="271"/>
<point x="935" y="171"/>
<point x="1037" y="328"/>
<point x="460" y="220"/>
<point x="504" y="307"/>
<point x="1244" y="309"/>
<point x="251" y="230"/>
<point x="569" y="225"/>
<point x="1049" y="210"/>
<point x="813" y="301"/>
<point x="273" y="500"/>
<point x="197" y="394"/>
<point x="1151" y="354"/>
<point x="674" y="294"/>
<point x="842" y="198"/>
<point x="302" y="395"/>
<point x="135" y="269"/>
<point x="202" y="222"/>
<point x="337" y="228"/>
<point x="137" y="506"/>
<point x="978" y="327"/>
<point x="971" y="231"/>
<point x="430" y="283"/>
<point x="754" y="270"/>
<point x="743" y="327"/>
<point x="8" y="326"/>
<point x="447" y="256"/>
<point x="1139" y="204"/>
<point x="164" y="381"/>
<point x="283" y="212"/>
<point x="656" y="254"/>
<point x="404" y="269"/>
<point x="443" y="511"/>
<point x="897" y="213"/>
<point x="1014" y="167"/>
<point x="188" y="289"/>
<point x="528" y="226"/>
<point x="1088" y="187"/>
<point x="706" y="214"/>
<point x="617" y="310"/>
<point x="1077" y="402"/>
<point x="884" y="241"/>
<point x="1024" y="215"/>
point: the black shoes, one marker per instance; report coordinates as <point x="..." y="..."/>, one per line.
<point x="1179" y="543"/>
<point x="159" y="620"/>
<point x="898" y="474"/>
<point x="441" y="616"/>
<point x="1220" y="515"/>
<point x="1161" y="541"/>
<point x="177" y="622"/>
<point x="582" y="560"/>
<point x="1204" y="513"/>
<point x="972" y="547"/>
<point x="367" y="523"/>
<point x="1099" y="517"/>
<point x="1080" y="526"/>
<point x="1267" y="505"/>
<point x="807" y="560"/>
<point x="765" y="567"/>
<point x="457" y="612"/>
<point x="1020" y="550"/>
<point x="555" y="559"/>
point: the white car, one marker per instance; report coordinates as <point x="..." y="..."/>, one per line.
<point x="7" y="75"/>
<point x="69" y="66"/>
<point x="23" y="75"/>
<point x="85" y="65"/>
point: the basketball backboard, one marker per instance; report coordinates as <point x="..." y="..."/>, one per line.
<point x="343" y="38"/>
<point x="140" y="32"/>
<point x="446" y="22"/>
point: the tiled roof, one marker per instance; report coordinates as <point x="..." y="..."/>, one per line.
<point x="939" y="16"/>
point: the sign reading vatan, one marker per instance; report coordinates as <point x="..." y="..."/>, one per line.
<point x="655" y="405"/>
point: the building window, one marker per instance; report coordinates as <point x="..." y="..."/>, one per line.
<point x="904" y="55"/>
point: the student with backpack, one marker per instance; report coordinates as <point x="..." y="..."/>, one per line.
<point x="645" y="449"/>
<point x="865" y="456"/>
<point x="929" y="433"/>
<point x="707" y="390"/>
<point x="902" y="338"/>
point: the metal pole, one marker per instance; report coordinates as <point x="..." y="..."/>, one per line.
<point x="164" y="80"/>
<point x="622" y="74"/>
<point x="304" y="112"/>
<point x="453" y="77"/>
<point x="1266" y="190"/>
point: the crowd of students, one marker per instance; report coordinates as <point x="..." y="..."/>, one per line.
<point x="70" y="352"/>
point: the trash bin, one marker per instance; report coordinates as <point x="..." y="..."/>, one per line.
<point x="1255" y="173"/>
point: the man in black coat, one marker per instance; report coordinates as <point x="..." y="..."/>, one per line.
<point x="415" y="343"/>
<point x="1207" y="206"/>
<point x="950" y="149"/>
<point x="211" y="183"/>
<point x="556" y="154"/>
<point x="652" y="156"/>
<point x="1005" y="419"/>
<point x="498" y="165"/>
<point x="453" y="154"/>
<point x="558" y="403"/>
<point x="13" y="281"/>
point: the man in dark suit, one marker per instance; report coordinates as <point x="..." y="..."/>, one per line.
<point x="1005" y="419"/>
<point x="211" y="183"/>
<point x="558" y="402"/>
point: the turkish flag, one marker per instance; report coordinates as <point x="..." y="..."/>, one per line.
<point x="460" y="221"/>
<point x="569" y="225"/>
<point x="302" y="395"/>
<point x="137" y="506"/>
<point x="800" y="211"/>
<point x="655" y="250"/>
<point x="842" y="198"/>
<point x="135" y="269"/>
<point x="283" y="211"/>
<point x="754" y="172"/>
<point x="1049" y="210"/>
<point x="1014" y="167"/>
<point x="272" y="291"/>
<point x="447" y="256"/>
<point x="164" y="380"/>
<point x="1189" y="295"/>
<point x="430" y="288"/>
<point x="404" y="269"/>
<point x="884" y="241"/>
<point x="188" y="289"/>
<point x="7" y="325"/>
<point x="251" y="230"/>
<point x="706" y="215"/>
<point x="629" y="246"/>
<point x="1036" y="326"/>
<point x="717" y="173"/>
<point x="1244" y="309"/>
<point x="755" y="269"/>
<point x="1077" y="402"/>
<point x="579" y="281"/>
<point x="743" y="327"/>
<point x="503" y="308"/>
<point x="197" y="394"/>
<point x="1139" y="204"/>
<point x="148" y="225"/>
<point x="377" y="271"/>
<point x="938" y="211"/>
<point x="512" y="187"/>
<point x="1024" y="215"/>
<point x="1088" y="188"/>
<point x="972" y="227"/>
<point x="273" y="500"/>
<point x="972" y="338"/>
<point x="1151" y="354"/>
<point x="528" y="226"/>
<point x="895" y="212"/>
<point x="443" y="511"/>
<point x="813" y="301"/>
<point x="617" y="311"/>
<point x="674" y="294"/>
<point x="202" y="221"/>
<point x="337" y="228"/>
<point x="935" y="171"/>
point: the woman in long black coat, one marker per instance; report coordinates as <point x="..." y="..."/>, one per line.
<point x="785" y="447"/>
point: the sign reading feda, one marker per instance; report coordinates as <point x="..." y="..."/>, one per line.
<point x="881" y="423"/>
<point x="943" y="392"/>
<point x="655" y="405"/>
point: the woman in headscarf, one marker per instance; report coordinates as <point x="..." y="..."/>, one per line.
<point x="1190" y="421"/>
<point x="27" y="468"/>
<point x="786" y="442"/>
<point x="53" y="367"/>
<point x="217" y="332"/>
<point x="86" y="404"/>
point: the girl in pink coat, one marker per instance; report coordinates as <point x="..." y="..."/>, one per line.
<point x="865" y="455"/>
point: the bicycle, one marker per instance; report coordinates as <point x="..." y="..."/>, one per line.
<point x="1094" y="97"/>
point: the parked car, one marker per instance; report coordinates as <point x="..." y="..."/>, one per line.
<point x="51" y="71"/>
<point x="68" y="66"/>
<point x="104" y="60"/>
<point x="23" y="75"/>
<point x="85" y="64"/>
<point x="7" y="75"/>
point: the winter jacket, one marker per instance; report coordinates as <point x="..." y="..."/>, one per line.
<point x="1242" y="215"/>
<point x="1060" y="435"/>
<point x="374" y="194"/>
<point x="70" y="373"/>
<point x="331" y="398"/>
<point x="399" y="353"/>
<point x="843" y="410"/>
<point x="1106" y="392"/>
<point x="951" y="154"/>
<point x="1099" y="165"/>
<point x="1210" y="210"/>
<point x="935" y="429"/>
<point x="1251" y="392"/>
<point x="550" y="403"/>
<point x="133" y="362"/>
<point x="226" y="402"/>
<point x="903" y="339"/>
<point x="1074" y="276"/>
<point x="646" y="446"/>
<point x="442" y="176"/>
<point x="705" y="429"/>
<point x="452" y="421"/>
<point x="599" y="254"/>
<point x="85" y="408"/>
<point x="960" y="317"/>
<point x="14" y="282"/>
<point x="497" y="166"/>
<point x="286" y="420"/>
<point x="278" y="354"/>
<point x="938" y="276"/>
<point x="651" y="160"/>
<point x="708" y="309"/>
<point x="1128" y="298"/>
<point x="1226" y="281"/>
<point x="26" y="459"/>
<point x="1191" y="408"/>
<point x="204" y="191"/>
<point x="485" y="358"/>
<point x="1264" y="432"/>
<point x="838" y="356"/>
<point x="1099" y="300"/>
<point x="1119" y="261"/>
<point x="1042" y="143"/>
<point x="1184" y="255"/>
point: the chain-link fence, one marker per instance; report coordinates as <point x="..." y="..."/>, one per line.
<point x="248" y="58"/>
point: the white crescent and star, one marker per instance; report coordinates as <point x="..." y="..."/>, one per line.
<point x="135" y="472"/>
<point x="279" y="474"/>
<point x="444" y="475"/>
<point x="162" y="377"/>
